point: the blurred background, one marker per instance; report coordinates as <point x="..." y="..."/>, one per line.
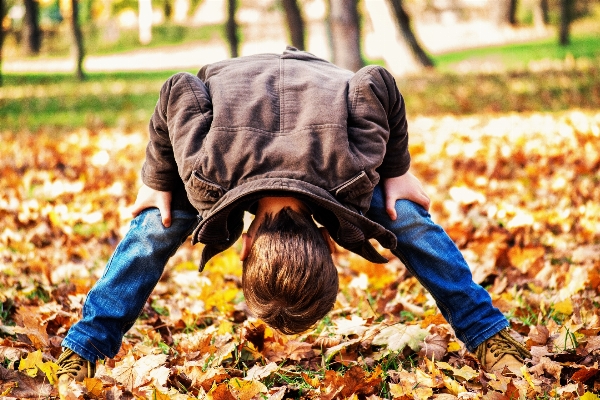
<point x="101" y="62"/>
<point x="503" y="103"/>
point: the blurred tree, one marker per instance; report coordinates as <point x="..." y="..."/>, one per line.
<point x="503" y="12"/>
<point x="31" y="27"/>
<point x="540" y="13"/>
<point x="3" y="12"/>
<point x="145" y="21"/>
<point x="566" y="14"/>
<point x="77" y="40"/>
<point x="344" y="29"/>
<point x="231" y="29"/>
<point x="403" y="21"/>
<point x="295" y="23"/>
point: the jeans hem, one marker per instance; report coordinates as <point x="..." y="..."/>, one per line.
<point x="81" y="350"/>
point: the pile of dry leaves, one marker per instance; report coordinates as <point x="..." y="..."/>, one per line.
<point x="520" y="195"/>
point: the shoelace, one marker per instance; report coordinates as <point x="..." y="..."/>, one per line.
<point x="71" y="365"/>
<point x="504" y="344"/>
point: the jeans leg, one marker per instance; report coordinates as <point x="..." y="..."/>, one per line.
<point x="433" y="258"/>
<point x="117" y="298"/>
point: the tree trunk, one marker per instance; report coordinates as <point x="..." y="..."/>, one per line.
<point x="540" y="13"/>
<point x="403" y="21"/>
<point x="3" y="11"/>
<point x="231" y="29"/>
<point x="503" y="12"/>
<point x="566" y="13"/>
<point x="345" y="34"/>
<point x="145" y="21"/>
<point x="31" y="27"/>
<point x="295" y="23"/>
<point x="77" y="40"/>
<point x="512" y="12"/>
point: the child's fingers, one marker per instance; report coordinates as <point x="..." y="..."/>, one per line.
<point x="390" y="208"/>
<point x="164" y="206"/>
<point x="165" y="213"/>
<point x="136" y="209"/>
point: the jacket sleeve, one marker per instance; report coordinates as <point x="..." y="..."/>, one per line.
<point x="377" y="119"/>
<point x="181" y="119"/>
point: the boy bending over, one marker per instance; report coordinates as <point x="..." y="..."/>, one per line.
<point x="292" y="139"/>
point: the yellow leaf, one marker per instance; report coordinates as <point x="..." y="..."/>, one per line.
<point x="397" y="390"/>
<point x="246" y="390"/>
<point x="453" y="346"/>
<point x="50" y="369"/>
<point x="314" y="382"/>
<point x="156" y="395"/>
<point x="465" y="372"/>
<point x="453" y="386"/>
<point x="589" y="396"/>
<point x="527" y="376"/>
<point x="30" y="363"/>
<point x="93" y="386"/>
<point x="225" y="327"/>
<point x="564" y="307"/>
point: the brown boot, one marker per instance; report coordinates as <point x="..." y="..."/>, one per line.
<point x="502" y="351"/>
<point x="73" y="366"/>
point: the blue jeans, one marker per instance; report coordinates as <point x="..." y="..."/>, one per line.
<point x="433" y="258"/>
<point x="117" y="299"/>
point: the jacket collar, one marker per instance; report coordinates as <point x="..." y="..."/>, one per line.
<point x="224" y="224"/>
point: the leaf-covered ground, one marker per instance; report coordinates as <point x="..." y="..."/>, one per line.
<point x="519" y="193"/>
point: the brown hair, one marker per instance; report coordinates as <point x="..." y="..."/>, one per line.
<point x="289" y="279"/>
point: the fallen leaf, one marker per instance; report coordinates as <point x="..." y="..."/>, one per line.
<point x="396" y="337"/>
<point x="246" y="390"/>
<point x="434" y="346"/>
<point x="258" y="372"/>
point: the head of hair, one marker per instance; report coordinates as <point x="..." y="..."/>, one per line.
<point x="289" y="279"/>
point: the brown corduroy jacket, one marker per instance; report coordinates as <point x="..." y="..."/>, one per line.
<point x="279" y="124"/>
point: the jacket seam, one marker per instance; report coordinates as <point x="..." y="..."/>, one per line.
<point x="258" y="130"/>
<point x="187" y="77"/>
<point x="365" y="72"/>
<point x="281" y="97"/>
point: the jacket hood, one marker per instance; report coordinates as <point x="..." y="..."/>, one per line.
<point x="224" y="224"/>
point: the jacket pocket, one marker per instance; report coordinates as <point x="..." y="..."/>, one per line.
<point x="202" y="193"/>
<point x="355" y="192"/>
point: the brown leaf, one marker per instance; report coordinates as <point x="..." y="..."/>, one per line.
<point x="255" y="334"/>
<point x="547" y="367"/>
<point x="22" y="386"/>
<point x="222" y="392"/>
<point x="357" y="381"/>
<point x="512" y="392"/>
<point x="539" y="334"/>
<point x="298" y="350"/>
<point x="593" y="344"/>
<point x="434" y="346"/>
<point x="31" y="324"/>
<point x="584" y="373"/>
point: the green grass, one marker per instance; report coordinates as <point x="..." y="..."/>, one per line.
<point x="518" y="56"/>
<point x="57" y="101"/>
<point x="97" y="42"/>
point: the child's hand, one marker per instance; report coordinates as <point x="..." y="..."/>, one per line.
<point x="406" y="187"/>
<point x="148" y="198"/>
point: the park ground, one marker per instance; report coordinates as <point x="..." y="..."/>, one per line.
<point x="509" y="157"/>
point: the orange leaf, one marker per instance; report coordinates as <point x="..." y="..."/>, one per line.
<point x="529" y="260"/>
<point x="93" y="386"/>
